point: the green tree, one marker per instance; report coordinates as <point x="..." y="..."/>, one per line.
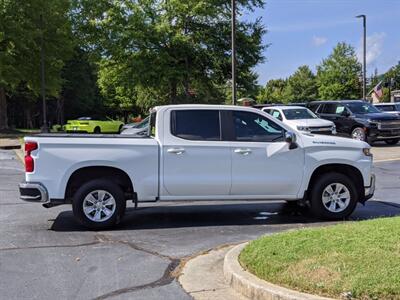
<point x="301" y="86"/>
<point x="80" y="94"/>
<point x="22" y="25"/>
<point x="156" y="52"/>
<point x="273" y="92"/>
<point x="338" y="76"/>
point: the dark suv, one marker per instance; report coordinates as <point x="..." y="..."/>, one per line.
<point x="359" y="119"/>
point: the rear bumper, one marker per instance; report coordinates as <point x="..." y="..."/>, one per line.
<point x="369" y="190"/>
<point x="33" y="192"/>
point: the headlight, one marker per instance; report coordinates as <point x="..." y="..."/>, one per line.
<point x="367" y="152"/>
<point x="303" y="128"/>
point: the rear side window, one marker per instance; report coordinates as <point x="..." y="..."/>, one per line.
<point x="197" y="125"/>
<point x="386" y="107"/>
<point x="252" y="127"/>
<point x="313" y="106"/>
<point x="329" y="108"/>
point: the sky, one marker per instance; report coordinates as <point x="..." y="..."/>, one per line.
<point x="304" y="32"/>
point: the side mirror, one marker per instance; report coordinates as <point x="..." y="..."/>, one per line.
<point x="290" y="138"/>
<point x="345" y="113"/>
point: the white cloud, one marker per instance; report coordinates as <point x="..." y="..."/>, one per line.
<point x="319" y="40"/>
<point x="374" y="47"/>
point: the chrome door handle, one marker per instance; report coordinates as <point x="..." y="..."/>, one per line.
<point x="176" y="150"/>
<point x="242" y="151"/>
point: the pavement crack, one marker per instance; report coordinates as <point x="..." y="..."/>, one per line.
<point x="167" y="278"/>
<point x="108" y="239"/>
<point x="95" y="242"/>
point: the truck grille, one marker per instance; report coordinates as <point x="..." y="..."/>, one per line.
<point x="389" y="125"/>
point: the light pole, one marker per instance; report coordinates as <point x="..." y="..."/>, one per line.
<point x="45" y="128"/>
<point x="233" y="32"/>
<point x="364" y="17"/>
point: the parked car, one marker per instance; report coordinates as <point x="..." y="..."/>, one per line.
<point x="302" y="119"/>
<point x="392" y="108"/>
<point x="93" y="125"/>
<point x="139" y="128"/>
<point x="197" y="152"/>
<point x="360" y="120"/>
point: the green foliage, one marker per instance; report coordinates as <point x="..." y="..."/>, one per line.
<point x="394" y="75"/>
<point x="273" y="92"/>
<point x="80" y="95"/>
<point x="21" y="29"/>
<point x="157" y="52"/>
<point x="338" y="76"/>
<point x="22" y="26"/>
<point x="301" y="86"/>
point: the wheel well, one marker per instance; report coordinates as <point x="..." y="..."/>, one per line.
<point x="352" y="172"/>
<point x="86" y="174"/>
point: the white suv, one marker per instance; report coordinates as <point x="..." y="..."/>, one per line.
<point x="301" y="119"/>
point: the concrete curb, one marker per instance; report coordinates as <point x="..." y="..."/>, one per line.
<point x="252" y="287"/>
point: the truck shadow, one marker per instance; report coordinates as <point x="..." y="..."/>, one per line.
<point x="237" y="214"/>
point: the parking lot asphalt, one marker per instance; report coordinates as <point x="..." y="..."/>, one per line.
<point x="45" y="254"/>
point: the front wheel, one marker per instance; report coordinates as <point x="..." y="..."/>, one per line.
<point x="392" y="141"/>
<point x="99" y="204"/>
<point x="358" y="133"/>
<point x="333" y="196"/>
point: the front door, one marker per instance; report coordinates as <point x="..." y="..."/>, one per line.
<point x="262" y="163"/>
<point x="196" y="162"/>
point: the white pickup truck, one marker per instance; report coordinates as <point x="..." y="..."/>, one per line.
<point x="197" y="152"/>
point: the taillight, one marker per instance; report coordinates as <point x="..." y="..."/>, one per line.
<point x="29" y="163"/>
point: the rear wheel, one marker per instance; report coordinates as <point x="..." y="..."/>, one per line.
<point x="99" y="204"/>
<point x="97" y="130"/>
<point x="120" y="129"/>
<point x="333" y="196"/>
<point x="392" y="141"/>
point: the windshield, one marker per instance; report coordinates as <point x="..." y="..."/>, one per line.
<point x="298" y="113"/>
<point x="362" y="108"/>
<point x="144" y="123"/>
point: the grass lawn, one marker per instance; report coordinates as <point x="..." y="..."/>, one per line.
<point x="361" y="259"/>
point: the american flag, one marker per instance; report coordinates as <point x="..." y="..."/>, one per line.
<point x="378" y="90"/>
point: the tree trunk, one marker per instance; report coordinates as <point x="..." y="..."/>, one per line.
<point x="60" y="110"/>
<point x="28" y="116"/>
<point x="3" y="109"/>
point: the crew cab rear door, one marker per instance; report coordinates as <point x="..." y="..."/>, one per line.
<point x="262" y="163"/>
<point x="196" y="162"/>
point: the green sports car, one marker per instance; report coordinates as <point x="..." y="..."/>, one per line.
<point x="93" y="125"/>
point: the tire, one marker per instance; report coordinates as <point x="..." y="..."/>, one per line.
<point x="97" y="130"/>
<point x="120" y="129"/>
<point x="358" y="133"/>
<point x="392" y="141"/>
<point x="320" y="195"/>
<point x="113" y="203"/>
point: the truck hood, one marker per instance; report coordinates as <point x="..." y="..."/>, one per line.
<point x="309" y="123"/>
<point x="378" y="116"/>
<point x="316" y="140"/>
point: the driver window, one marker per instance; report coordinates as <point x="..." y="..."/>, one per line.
<point x="252" y="127"/>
